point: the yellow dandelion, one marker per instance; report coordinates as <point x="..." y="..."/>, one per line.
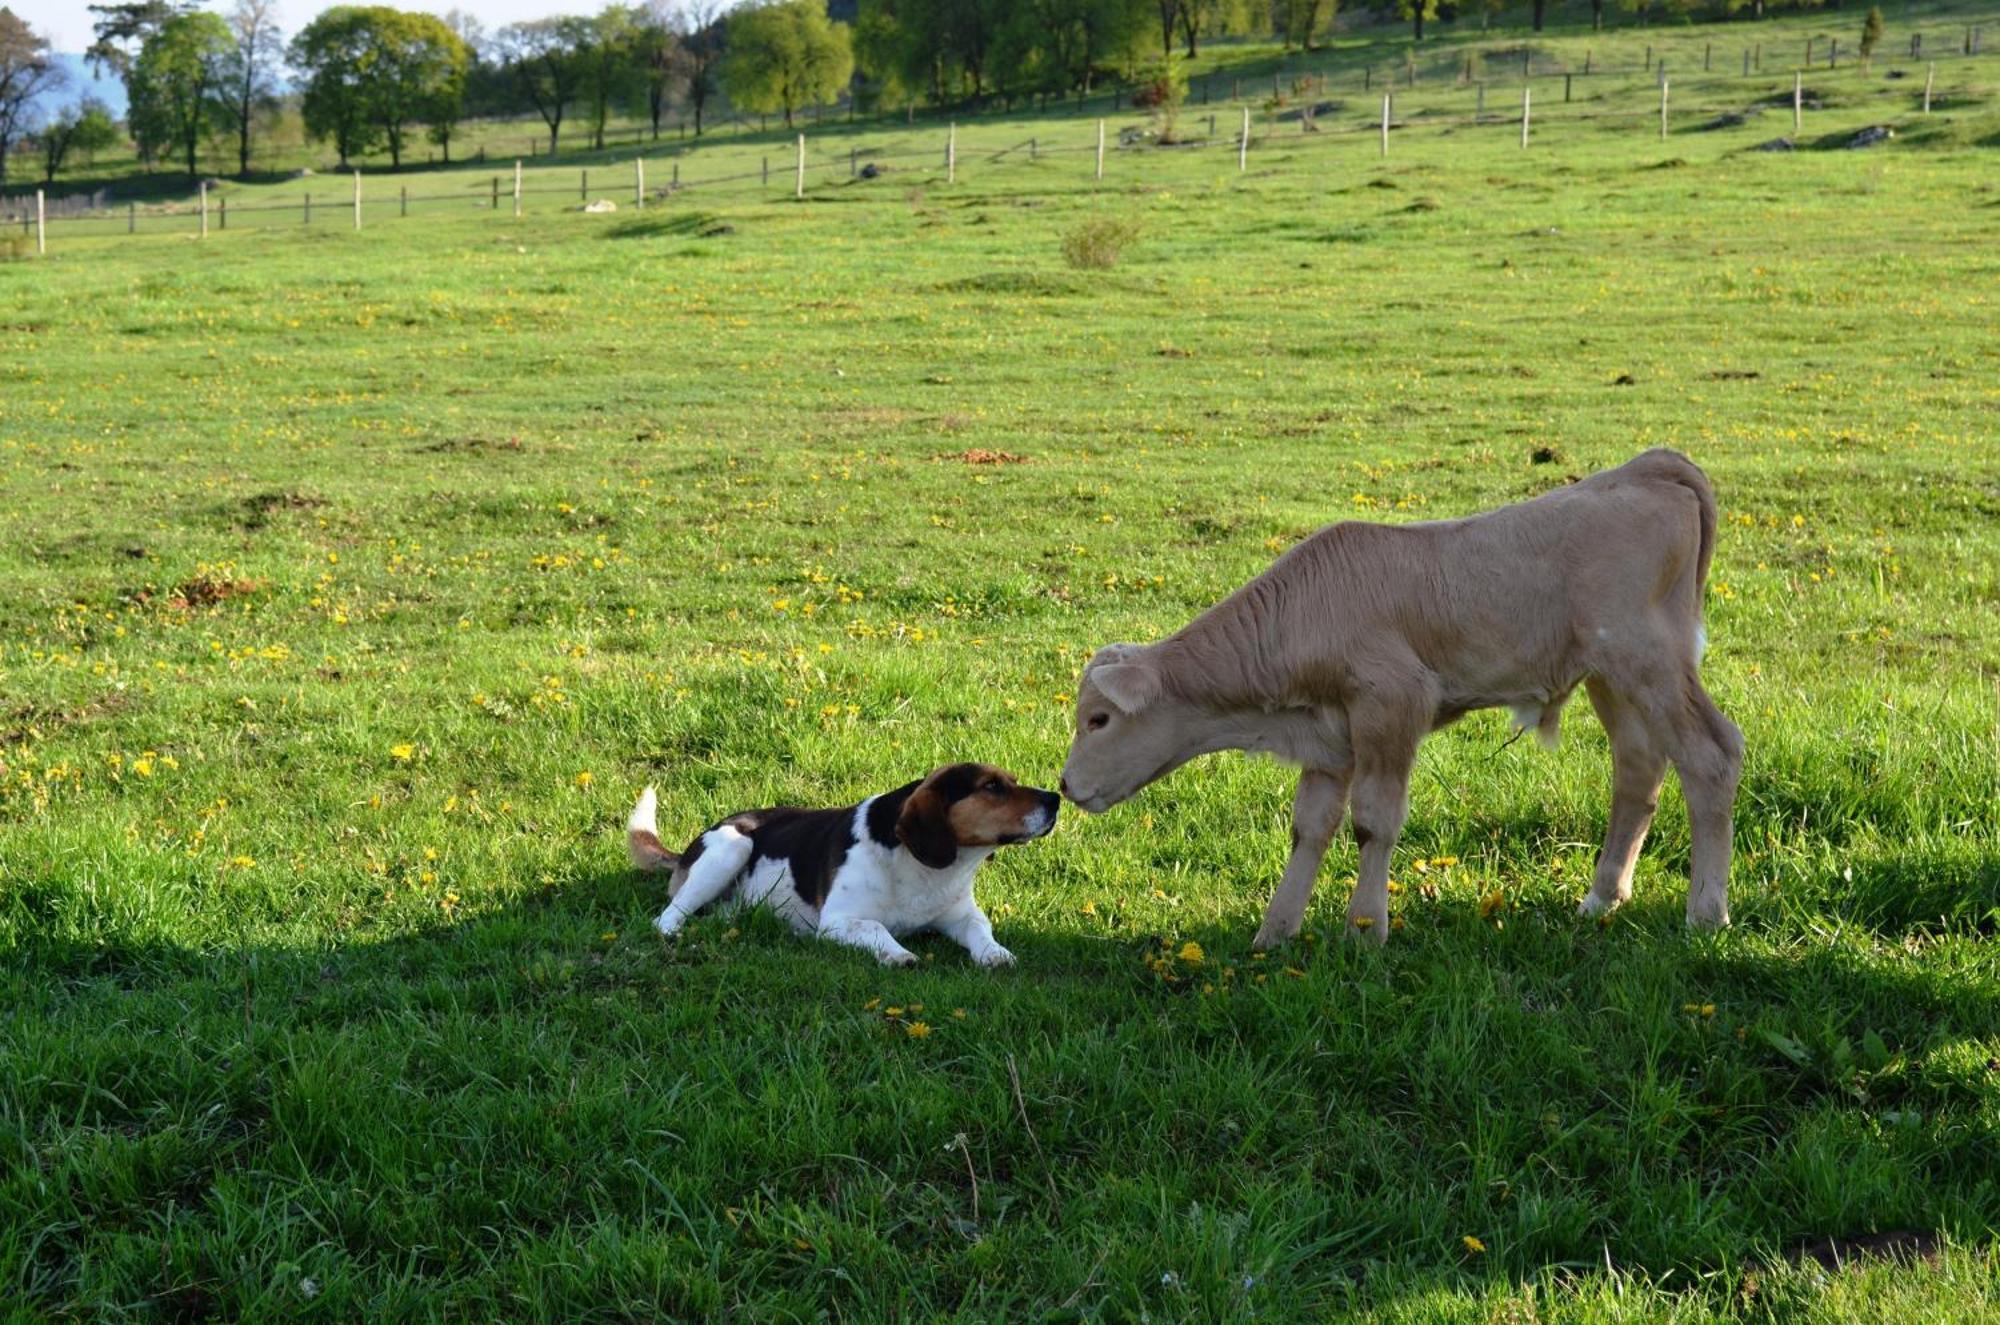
<point x="1362" y="922"/>
<point x="1473" y="1245"/>
<point x="917" y="1030"/>
<point x="871" y="1005"/>
<point x="610" y="936"/>
<point x="242" y="862"/>
<point x="1088" y="908"/>
<point x="892" y="1012"/>
<point x="404" y="752"/>
<point x="959" y="1013"/>
<point x="1491" y="903"/>
<point x="584" y="779"/>
<point x="1191" y="953"/>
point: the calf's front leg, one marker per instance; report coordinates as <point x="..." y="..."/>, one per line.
<point x="1316" y="811"/>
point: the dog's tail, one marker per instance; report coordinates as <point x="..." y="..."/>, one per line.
<point x="642" y="836"/>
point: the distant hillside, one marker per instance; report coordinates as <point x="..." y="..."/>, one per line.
<point x="81" y="83"/>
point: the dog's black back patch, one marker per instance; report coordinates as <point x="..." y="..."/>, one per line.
<point x="812" y="843"/>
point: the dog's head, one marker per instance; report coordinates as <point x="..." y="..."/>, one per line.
<point x="972" y="805"/>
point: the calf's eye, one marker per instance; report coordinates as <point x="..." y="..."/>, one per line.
<point x="1097" y="721"/>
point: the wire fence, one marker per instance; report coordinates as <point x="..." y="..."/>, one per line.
<point x="1298" y="110"/>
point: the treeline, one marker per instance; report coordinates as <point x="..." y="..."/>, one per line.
<point x="367" y="78"/>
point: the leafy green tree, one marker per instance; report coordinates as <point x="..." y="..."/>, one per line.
<point x="122" y="29"/>
<point x="27" y="71"/>
<point x="336" y="53"/>
<point x="546" y="58"/>
<point x="96" y="130"/>
<point x="785" y="56"/>
<point x="176" y="85"/>
<point x="417" y="72"/>
<point x="1871" y="32"/>
<point x="703" y="34"/>
<point x="611" y="60"/>
<point x="249" y="70"/>
<point x="1417" y="11"/>
<point x="1299" y="20"/>
<point x="655" y="58"/>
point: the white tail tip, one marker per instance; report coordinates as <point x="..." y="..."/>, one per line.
<point x="644" y="814"/>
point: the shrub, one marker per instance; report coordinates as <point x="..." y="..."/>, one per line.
<point x="1098" y="242"/>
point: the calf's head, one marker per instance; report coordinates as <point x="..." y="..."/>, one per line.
<point x="1131" y="729"/>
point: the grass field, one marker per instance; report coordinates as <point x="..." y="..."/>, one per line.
<point x="352" y="584"/>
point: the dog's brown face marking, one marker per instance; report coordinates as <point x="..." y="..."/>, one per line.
<point x="998" y="810"/>
<point x="973" y="805"/>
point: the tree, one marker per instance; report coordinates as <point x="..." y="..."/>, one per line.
<point x="57" y="137"/>
<point x="785" y="56"/>
<point x="415" y="70"/>
<point x="1417" y="11"/>
<point x="1871" y="33"/>
<point x="176" y="85"/>
<point x="698" y="56"/>
<point x="122" y="30"/>
<point x="1300" y="19"/>
<point x="656" y="57"/>
<point x="547" y="68"/>
<point x="96" y="130"/>
<point x="26" y="73"/>
<point x="336" y="53"/>
<point x="249" y="71"/>
<point x="607" y="53"/>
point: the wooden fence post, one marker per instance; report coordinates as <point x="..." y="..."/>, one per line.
<point x="1479" y="106"/>
<point x="1798" y="100"/>
<point x="767" y="172"/>
<point x="799" y="182"/>
<point x="203" y="189"/>
<point x="1243" y="146"/>
<point x="131" y="218"/>
<point x="639" y="182"/>
<point x="496" y="193"/>
<point x="307" y="218"/>
<point x="222" y="212"/>
<point x="517" y="187"/>
<point x="583" y="186"/>
<point x="951" y="154"/>
<point x="1707" y="55"/>
<point x="1929" y="78"/>
<point x="42" y="223"/>
<point x="1566" y="78"/>
<point x="1385" y="124"/>
<point x="357" y="200"/>
<point x="1100" y="149"/>
<point x="1663" y="109"/>
<point x="1524" y="116"/>
<point x="402" y="201"/>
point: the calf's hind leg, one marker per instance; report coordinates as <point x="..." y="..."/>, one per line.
<point x="1706" y="749"/>
<point x="1637" y="769"/>
<point x="1316" y="810"/>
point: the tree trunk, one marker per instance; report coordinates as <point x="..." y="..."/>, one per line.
<point x="1420" y="21"/>
<point x="1597" y="15"/>
<point x="1540" y="6"/>
<point x="243" y="148"/>
<point x="193" y="142"/>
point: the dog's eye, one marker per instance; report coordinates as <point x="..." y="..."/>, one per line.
<point x="994" y="788"/>
<point x="1097" y="721"/>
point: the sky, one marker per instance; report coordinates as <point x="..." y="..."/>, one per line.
<point x="67" y="23"/>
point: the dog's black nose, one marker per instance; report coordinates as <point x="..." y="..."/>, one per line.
<point x="1052" y="803"/>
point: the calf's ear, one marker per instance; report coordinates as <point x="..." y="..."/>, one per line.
<point x="1129" y="685"/>
<point x="925" y="830"/>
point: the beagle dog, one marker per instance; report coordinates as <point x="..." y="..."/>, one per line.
<point x="864" y="874"/>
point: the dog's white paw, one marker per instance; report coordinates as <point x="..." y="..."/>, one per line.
<point x="900" y="957"/>
<point x="995" y="957"/>
<point x="669" y="923"/>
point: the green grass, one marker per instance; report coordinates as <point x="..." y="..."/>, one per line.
<point x="301" y="1027"/>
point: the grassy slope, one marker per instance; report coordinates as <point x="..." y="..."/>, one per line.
<point x="548" y="499"/>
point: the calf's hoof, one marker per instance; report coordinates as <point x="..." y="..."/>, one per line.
<point x="1274" y="934"/>
<point x="1371" y="930"/>
<point x="1595" y="905"/>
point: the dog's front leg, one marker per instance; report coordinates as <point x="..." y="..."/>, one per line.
<point x="968" y="926"/>
<point x="871" y="935"/>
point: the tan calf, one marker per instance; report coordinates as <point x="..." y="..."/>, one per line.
<point x="1364" y="638"/>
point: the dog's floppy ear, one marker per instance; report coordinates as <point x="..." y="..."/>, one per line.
<point x="924" y="828"/>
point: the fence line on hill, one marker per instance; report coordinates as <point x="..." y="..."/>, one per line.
<point x="35" y="216"/>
